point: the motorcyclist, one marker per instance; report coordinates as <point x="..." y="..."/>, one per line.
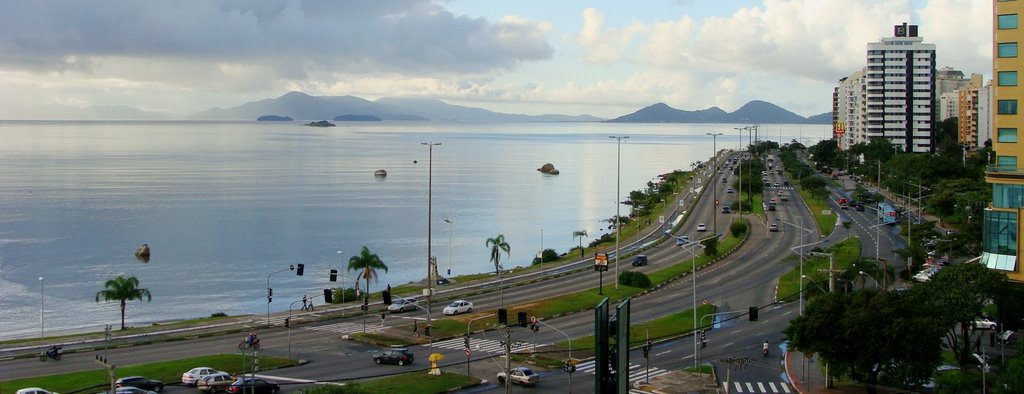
<point x="764" y="348"/>
<point x="54" y="350"/>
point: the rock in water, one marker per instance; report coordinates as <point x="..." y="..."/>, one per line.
<point x="142" y="252"/>
<point x="548" y="168"/>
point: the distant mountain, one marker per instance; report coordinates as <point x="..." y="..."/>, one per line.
<point x="824" y="118"/>
<point x="438" y="110"/>
<point x="274" y="118"/>
<point x="357" y="118"/>
<point x="753" y="112"/>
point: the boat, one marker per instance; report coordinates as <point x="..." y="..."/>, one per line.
<point x="380" y="173"/>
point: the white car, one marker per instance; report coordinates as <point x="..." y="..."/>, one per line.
<point x="984" y="324"/>
<point x="34" y="390"/>
<point x="402" y="304"/>
<point x="193" y="375"/>
<point x="457" y="307"/>
<point x="702" y="227"/>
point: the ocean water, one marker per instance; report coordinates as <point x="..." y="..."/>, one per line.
<point x="225" y="204"/>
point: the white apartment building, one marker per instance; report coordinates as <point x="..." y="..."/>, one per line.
<point x="900" y="90"/>
<point x="948" y="105"/>
<point x="848" y="111"/>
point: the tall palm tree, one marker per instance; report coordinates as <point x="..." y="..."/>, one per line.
<point x="123" y="289"/>
<point x="498" y="244"/>
<point x="580" y="234"/>
<point x="369" y="263"/>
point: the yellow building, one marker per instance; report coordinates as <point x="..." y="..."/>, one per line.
<point x="1002" y="233"/>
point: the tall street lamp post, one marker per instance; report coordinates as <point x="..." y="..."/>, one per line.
<point x="714" y="194"/>
<point x="430" y="257"/>
<point x="799" y="250"/>
<point x="739" y="182"/>
<point x="618" y="185"/>
<point x="448" y="219"/>
<point x="270" y="292"/>
<point x="692" y="246"/>
<point x="41" y="298"/>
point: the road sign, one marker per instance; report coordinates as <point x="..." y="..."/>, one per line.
<point x="468" y="352"/>
<point x="601" y="262"/>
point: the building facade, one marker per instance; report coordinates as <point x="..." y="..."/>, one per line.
<point x="848" y="111"/>
<point x="1002" y="235"/>
<point x="900" y="90"/>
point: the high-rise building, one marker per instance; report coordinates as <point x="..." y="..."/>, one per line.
<point x="848" y="110"/>
<point x="900" y="90"/>
<point x="1002" y="235"/>
<point x="974" y="117"/>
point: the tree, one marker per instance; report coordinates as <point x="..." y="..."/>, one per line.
<point x="497" y="245"/>
<point x="710" y="246"/>
<point x="123" y="290"/>
<point x="956" y="296"/>
<point x="867" y="334"/>
<point x="580" y="234"/>
<point x="368" y="263"/>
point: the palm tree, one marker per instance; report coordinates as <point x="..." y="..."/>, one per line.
<point x="369" y="263"/>
<point x="580" y="234"/>
<point x="123" y="289"/>
<point x="498" y="244"/>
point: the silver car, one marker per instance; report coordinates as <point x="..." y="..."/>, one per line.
<point x="402" y="304"/>
<point x="215" y="382"/>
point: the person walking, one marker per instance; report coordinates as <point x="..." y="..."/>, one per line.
<point x="304" y="307"/>
<point x="415" y="329"/>
<point x="382" y="319"/>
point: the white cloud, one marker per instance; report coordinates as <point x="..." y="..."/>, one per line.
<point x="602" y="45"/>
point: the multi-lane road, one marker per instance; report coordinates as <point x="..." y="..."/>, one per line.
<point x="745" y="278"/>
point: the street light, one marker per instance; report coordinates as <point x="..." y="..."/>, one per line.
<point x="692" y="245"/>
<point x="800" y="252"/>
<point x="270" y="292"/>
<point x="618" y="186"/>
<point x="570" y="348"/>
<point x="739" y="182"/>
<point x="430" y="258"/>
<point x="714" y="194"/>
<point x="41" y="298"/>
<point x="448" y="219"/>
<point x="815" y="283"/>
<point x="865" y="274"/>
<point x="878" y="240"/>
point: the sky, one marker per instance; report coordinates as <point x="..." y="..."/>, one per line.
<point x="602" y="58"/>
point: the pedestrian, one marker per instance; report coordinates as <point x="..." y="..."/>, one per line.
<point x="977" y="343"/>
<point x="992" y="338"/>
<point x="382" y="319"/>
<point x="415" y="329"/>
<point x="303" y="302"/>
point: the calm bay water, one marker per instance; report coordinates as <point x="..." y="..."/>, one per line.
<point x="225" y="204"/>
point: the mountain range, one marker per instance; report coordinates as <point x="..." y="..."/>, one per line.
<point x="756" y="111"/>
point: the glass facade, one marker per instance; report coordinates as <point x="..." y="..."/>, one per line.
<point x="1005" y="195"/>
<point x="1000" y="234"/>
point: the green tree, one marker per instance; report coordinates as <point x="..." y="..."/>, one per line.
<point x="580" y="234"/>
<point x="956" y="296"/>
<point x="710" y="246"/>
<point x="497" y="245"/>
<point x="123" y="289"/>
<point x="368" y="264"/>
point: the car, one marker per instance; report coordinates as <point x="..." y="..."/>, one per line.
<point x="767" y="184"/>
<point x="457" y="307"/>
<point x="783" y="197"/>
<point x="33" y="390"/>
<point x="193" y="375"/>
<point x="726" y="209"/>
<point x="682" y="240"/>
<point x="785" y="183"/>
<point x="702" y="227"/>
<point x="859" y="206"/>
<point x="132" y="390"/>
<point x="730" y="190"/>
<point x="773" y="227"/>
<point x="140" y="382"/>
<point x="400" y="356"/>
<point x="521" y="375"/>
<point x="843" y="200"/>
<point x="843" y="206"/>
<point x="984" y="324"/>
<point x="639" y="260"/>
<point x="215" y="382"/>
<point x="771" y="206"/>
<point x="402" y="304"/>
<point x="777" y="184"/>
<point x="724" y="179"/>
<point x="254" y="386"/>
<point x="779" y="193"/>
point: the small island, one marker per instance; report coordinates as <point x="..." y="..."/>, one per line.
<point x="320" y="123"/>
<point x="274" y="118"/>
<point x="549" y="169"/>
<point x="356" y="118"/>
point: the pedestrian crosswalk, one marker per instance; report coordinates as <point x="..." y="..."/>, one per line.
<point x="345" y="328"/>
<point x="637" y="372"/>
<point x="757" y="387"/>
<point x="485" y="345"/>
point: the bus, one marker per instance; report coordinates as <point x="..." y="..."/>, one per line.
<point x="886" y="213"/>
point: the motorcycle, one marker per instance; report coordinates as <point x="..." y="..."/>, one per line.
<point x="54" y="352"/>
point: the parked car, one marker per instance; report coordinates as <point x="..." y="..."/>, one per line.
<point x="215" y="382"/>
<point x="402" y="304"/>
<point x="773" y="227"/>
<point x="132" y="390"/>
<point x="702" y="227"/>
<point x="34" y="390"/>
<point x="140" y="382"/>
<point x="522" y="376"/>
<point x="400" y="356"/>
<point x="984" y="324"/>
<point x="457" y="307"/>
<point x="639" y="260"/>
<point x="193" y="375"/>
<point x="254" y="386"/>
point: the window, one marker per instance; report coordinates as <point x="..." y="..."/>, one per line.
<point x="1007" y="107"/>
<point x="1000" y="234"/>
<point x="1007" y="135"/>
<point x="1006" y="161"/>
<point x="1007" y="49"/>
<point x="1008" y="21"/>
<point x="1007" y="78"/>
<point x="1006" y="195"/>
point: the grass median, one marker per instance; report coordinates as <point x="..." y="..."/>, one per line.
<point x="844" y="253"/>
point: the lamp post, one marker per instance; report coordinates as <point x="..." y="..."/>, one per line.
<point x="540" y="255"/>
<point x="714" y="194"/>
<point x="270" y="292"/>
<point x="739" y="182"/>
<point x="692" y="246"/>
<point x="885" y="267"/>
<point x="41" y="298"/>
<point x="865" y="274"/>
<point x="618" y="186"/>
<point x="799" y="250"/>
<point x="815" y="283"/>
<point x="448" y="219"/>
<point x="430" y="258"/>
<point x="570" y="348"/>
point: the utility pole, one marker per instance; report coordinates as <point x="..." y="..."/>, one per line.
<point x="737" y="363"/>
<point x="507" y="335"/>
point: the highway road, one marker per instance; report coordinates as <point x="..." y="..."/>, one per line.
<point x="743" y="279"/>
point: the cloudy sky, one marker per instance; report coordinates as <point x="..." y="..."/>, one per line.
<point x="604" y="58"/>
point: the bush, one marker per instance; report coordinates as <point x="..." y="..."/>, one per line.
<point x="710" y="246"/>
<point x="634" y="279"/>
<point x="738" y="228"/>
<point x="547" y="255"/>
<point x="340" y="295"/>
<point x="219" y="314"/>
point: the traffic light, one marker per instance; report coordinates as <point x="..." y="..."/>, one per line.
<point x="465" y="338"/>
<point x="534" y="327"/>
<point x="752" y="314"/>
<point x="328" y="296"/>
<point x="334" y="275"/>
<point x="569" y="367"/>
<point x="426" y="330"/>
<point x="366" y="303"/>
<point x="522" y="319"/>
<point x="287" y="322"/>
<point x="703" y="338"/>
<point x="503" y="316"/>
<point x="270" y="294"/>
<point x="300" y="269"/>
<point x="386" y="294"/>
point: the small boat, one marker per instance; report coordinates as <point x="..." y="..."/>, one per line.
<point x="380" y="173"/>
